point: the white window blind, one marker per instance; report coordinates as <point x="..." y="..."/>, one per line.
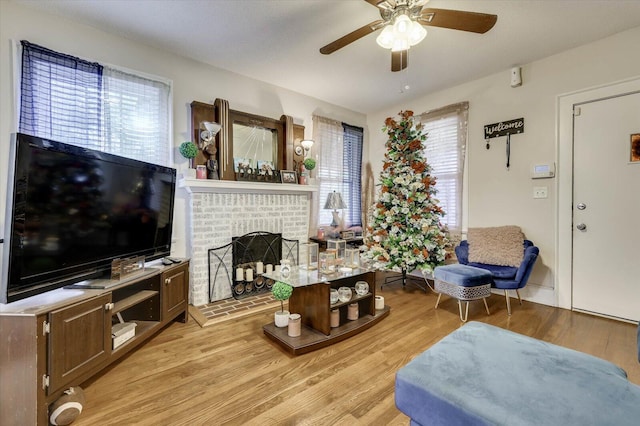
<point x="339" y="168"/>
<point x="136" y="117"/>
<point x="328" y="135"/>
<point x="446" y="130"/>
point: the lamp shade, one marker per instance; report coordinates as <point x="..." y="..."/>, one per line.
<point x="334" y="201"/>
<point x="307" y="144"/>
<point x="211" y="127"/>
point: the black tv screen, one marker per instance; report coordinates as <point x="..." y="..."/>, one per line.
<point x="74" y="210"/>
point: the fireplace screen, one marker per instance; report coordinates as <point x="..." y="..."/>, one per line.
<point x="240" y="265"/>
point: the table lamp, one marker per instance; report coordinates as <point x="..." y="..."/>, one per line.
<point x="334" y="202"/>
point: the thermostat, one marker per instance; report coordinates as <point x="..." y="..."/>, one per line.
<point x="543" y="171"/>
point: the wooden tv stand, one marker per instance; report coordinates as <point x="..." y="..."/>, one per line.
<point x="61" y="338"/>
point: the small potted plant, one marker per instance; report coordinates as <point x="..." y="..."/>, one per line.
<point x="281" y="291"/>
<point x="189" y="150"/>
<point x="307" y="165"/>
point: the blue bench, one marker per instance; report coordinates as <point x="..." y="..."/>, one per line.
<point x="484" y="375"/>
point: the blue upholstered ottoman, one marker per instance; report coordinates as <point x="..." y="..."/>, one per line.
<point x="484" y="375"/>
<point x="464" y="283"/>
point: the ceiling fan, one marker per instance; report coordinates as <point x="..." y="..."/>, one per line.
<point x="402" y="22"/>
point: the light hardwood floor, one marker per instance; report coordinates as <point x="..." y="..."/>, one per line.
<point x="231" y="373"/>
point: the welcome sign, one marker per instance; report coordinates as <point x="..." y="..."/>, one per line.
<point x="504" y="128"/>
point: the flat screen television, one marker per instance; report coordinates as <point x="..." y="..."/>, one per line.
<point x="74" y="210"/>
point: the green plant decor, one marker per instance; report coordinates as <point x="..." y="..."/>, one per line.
<point x="188" y="150"/>
<point x="281" y="291"/>
<point x="309" y="164"/>
<point x="405" y="232"/>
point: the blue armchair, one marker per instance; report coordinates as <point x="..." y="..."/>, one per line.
<point x="504" y="277"/>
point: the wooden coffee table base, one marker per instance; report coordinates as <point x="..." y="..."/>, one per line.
<point x="311" y="340"/>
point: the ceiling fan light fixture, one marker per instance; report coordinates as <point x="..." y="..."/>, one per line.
<point x="418" y="33"/>
<point x="386" y="37"/>
<point x="401" y="34"/>
<point x="402" y="25"/>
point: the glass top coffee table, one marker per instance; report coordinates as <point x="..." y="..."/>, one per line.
<point x="310" y="299"/>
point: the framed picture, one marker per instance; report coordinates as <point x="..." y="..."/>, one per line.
<point x="288" y="176"/>
<point x="239" y="162"/>
<point x="265" y="167"/>
<point x="635" y="148"/>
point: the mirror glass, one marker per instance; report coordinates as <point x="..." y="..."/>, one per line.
<point x="254" y="147"/>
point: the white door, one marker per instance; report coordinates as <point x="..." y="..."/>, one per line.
<point x="606" y="208"/>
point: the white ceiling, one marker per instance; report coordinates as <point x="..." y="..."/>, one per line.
<point x="277" y="41"/>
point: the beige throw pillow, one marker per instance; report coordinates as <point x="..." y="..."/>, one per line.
<point x="501" y="245"/>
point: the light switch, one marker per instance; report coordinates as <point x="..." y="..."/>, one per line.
<point x="539" y="192"/>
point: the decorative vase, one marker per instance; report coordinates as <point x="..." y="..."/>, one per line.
<point x="362" y="288"/>
<point x="295" y="325"/>
<point x="352" y="312"/>
<point x="333" y="296"/>
<point x="335" y="318"/>
<point x="282" y="318"/>
<point x="285" y="268"/>
<point x="344" y="294"/>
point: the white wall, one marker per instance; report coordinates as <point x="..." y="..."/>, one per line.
<point x="495" y="195"/>
<point x="191" y="81"/>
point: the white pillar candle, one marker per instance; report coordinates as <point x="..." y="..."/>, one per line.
<point x="277" y="269"/>
<point x="259" y="268"/>
<point x="269" y="268"/>
<point x="239" y="274"/>
<point x="249" y="274"/>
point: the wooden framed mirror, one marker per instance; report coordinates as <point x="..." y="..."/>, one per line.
<point x="244" y="137"/>
<point x="256" y="141"/>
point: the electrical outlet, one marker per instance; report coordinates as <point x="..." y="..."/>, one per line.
<point x="539" y="192"/>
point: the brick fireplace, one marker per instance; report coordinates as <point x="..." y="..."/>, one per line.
<point x="220" y="210"/>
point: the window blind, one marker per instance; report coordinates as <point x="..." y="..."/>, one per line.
<point x="328" y="135"/>
<point x="352" y="173"/>
<point x="137" y="117"/>
<point x="60" y="97"/>
<point x="339" y="167"/>
<point x="445" y="147"/>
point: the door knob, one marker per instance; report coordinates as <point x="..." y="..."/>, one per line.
<point x="581" y="226"/>
<point x="581" y="206"/>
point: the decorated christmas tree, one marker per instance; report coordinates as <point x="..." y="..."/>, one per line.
<point x="405" y="232"/>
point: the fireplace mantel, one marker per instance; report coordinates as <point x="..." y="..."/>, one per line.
<point x="239" y="187"/>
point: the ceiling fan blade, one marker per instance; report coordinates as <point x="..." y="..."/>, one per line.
<point x="399" y="60"/>
<point x="351" y="37"/>
<point x="458" y="20"/>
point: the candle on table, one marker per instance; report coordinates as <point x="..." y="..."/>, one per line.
<point x="239" y="274"/>
<point x="259" y="268"/>
<point x="269" y="268"/>
<point x="249" y="274"/>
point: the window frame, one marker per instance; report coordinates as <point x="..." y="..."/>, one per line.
<point x="168" y="155"/>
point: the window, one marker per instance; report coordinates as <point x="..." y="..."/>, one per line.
<point x="339" y="167"/>
<point x="446" y="130"/>
<point x="83" y="103"/>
